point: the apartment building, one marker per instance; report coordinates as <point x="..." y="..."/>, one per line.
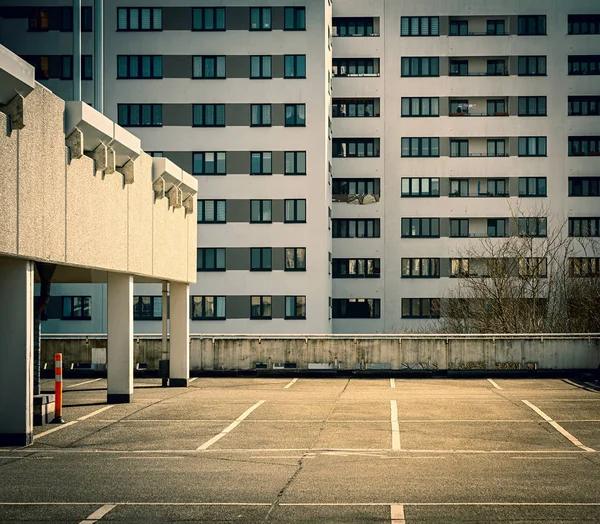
<point x="346" y="154"/>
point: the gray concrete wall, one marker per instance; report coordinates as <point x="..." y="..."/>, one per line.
<point x="553" y="352"/>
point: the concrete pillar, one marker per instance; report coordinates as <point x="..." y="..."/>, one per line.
<point x="120" y="338"/>
<point x="16" y="352"/>
<point x="179" y="361"/>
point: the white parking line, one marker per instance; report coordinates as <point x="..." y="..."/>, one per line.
<point x="393" y="383"/>
<point x="290" y="384"/>
<point x="98" y="514"/>
<point x="82" y="383"/>
<point x="231" y="426"/>
<point x="397" y="514"/>
<point x="493" y="383"/>
<point x="63" y="426"/>
<point x="557" y="426"/>
<point x="395" y="425"/>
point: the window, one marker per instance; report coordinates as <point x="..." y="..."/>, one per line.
<point x="353" y="26"/>
<point x="496" y="187"/>
<point x="459" y="107"/>
<point x="420" y="267"/>
<point x="532" y="146"/>
<point x="356" y="67"/>
<point x="496" y="227"/>
<point x="534" y="267"/>
<point x="295" y="307"/>
<point x="584" y="145"/>
<point x="66" y="71"/>
<point x="260" y="66"/>
<point x="532" y="25"/>
<point x="532" y="65"/>
<point x="459" y="227"/>
<point x="260" y="307"/>
<point x="155" y="154"/>
<point x="496" y="108"/>
<point x="420" y="26"/>
<point x="260" y="19"/>
<point x="86" y="19"/>
<point x="584" y="227"/>
<point x="208" y="115"/>
<point x="459" y="28"/>
<point x="496" y="68"/>
<point x="584" y="105"/>
<point x="295" y="259"/>
<point x="260" y="115"/>
<point x="584" y="24"/>
<point x="212" y="211"/>
<point x="139" y="66"/>
<point x="356" y="228"/>
<point x="584" y="267"/>
<point x="495" y="28"/>
<point x="295" y="162"/>
<point x="532" y="226"/>
<point x="208" y="19"/>
<point x="147" y="308"/>
<point x="353" y="108"/>
<point x="208" y="67"/>
<point x="294" y="66"/>
<point x="532" y="186"/>
<point x="414" y="66"/>
<point x="260" y="259"/>
<point x="420" y="147"/>
<point x="76" y="308"/>
<point x="420" y="106"/>
<point x="356" y="186"/>
<point x="459" y="148"/>
<point x="356" y="308"/>
<point x="420" y="187"/>
<point x="139" y="19"/>
<point x="295" y="210"/>
<point x="211" y="259"/>
<point x="209" y="163"/>
<point x="38" y="20"/>
<point x="459" y="68"/>
<point x="355" y="147"/>
<point x="87" y="66"/>
<point x="66" y="14"/>
<point x="295" y="115"/>
<point x="459" y="187"/>
<point x="496" y="147"/>
<point x="459" y="267"/>
<point x="260" y="211"/>
<point x="140" y="115"/>
<point x="421" y="227"/>
<point x="208" y="308"/>
<point x="584" y="65"/>
<point x="356" y="267"/>
<point x="420" y="308"/>
<point x="584" y="186"/>
<point x="532" y="106"/>
<point x="261" y="163"/>
<point x="294" y="19"/>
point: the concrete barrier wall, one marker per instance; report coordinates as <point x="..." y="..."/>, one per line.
<point x="241" y="353"/>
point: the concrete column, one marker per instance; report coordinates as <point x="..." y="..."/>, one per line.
<point x="16" y="352"/>
<point x="179" y="361"/>
<point x="120" y="338"/>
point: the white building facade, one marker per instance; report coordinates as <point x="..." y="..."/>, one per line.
<point x="345" y="153"/>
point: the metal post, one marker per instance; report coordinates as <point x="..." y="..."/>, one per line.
<point x="99" y="55"/>
<point x="58" y="369"/>
<point x="77" y="50"/>
<point x="164" y="361"/>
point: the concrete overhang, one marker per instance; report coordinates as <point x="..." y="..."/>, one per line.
<point x="171" y="181"/>
<point x="97" y="129"/>
<point x="17" y="77"/>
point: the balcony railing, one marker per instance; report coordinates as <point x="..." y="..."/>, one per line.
<point x="355" y="74"/>
<point x="483" y="73"/>
<point x="480" y="155"/>
<point x="497" y="113"/>
<point x="458" y="194"/>
<point x="365" y="35"/>
<point x="481" y="33"/>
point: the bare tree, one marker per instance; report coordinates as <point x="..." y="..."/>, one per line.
<point x="536" y="280"/>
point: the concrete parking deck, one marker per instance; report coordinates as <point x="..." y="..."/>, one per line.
<point x="280" y="450"/>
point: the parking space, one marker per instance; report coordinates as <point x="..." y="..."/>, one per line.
<point x="315" y="450"/>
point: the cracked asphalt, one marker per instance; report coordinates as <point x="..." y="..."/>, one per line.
<point x="319" y="450"/>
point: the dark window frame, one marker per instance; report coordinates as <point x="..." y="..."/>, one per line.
<point x="139" y="10"/>
<point x="341" y="186"/>
<point x="344" y="145"/>
<point x="262" y="121"/>
<point x="576" y="104"/>
<point x="296" y="119"/>
<point x="210" y="254"/>
<point x="201" y="209"/>
<point x="413" y="267"/>
<point x="340" y="307"/>
<point x="83" y="299"/>
<point x="262" y="75"/>
<point x="527" y="104"/>
<point x="407" y="66"/>
<point x="261" y="11"/>
<point x="408" y="23"/>
<point x="298" y="22"/>
<point x="524" y="63"/>
<point x="526" y="141"/>
<point x="578" y="226"/>
<point x="296" y="155"/>
<point x="540" y="188"/>
<point x="532" y="227"/>
<point x="203" y="307"/>
<point x="532" y="25"/>
<point x="297" y="303"/>
<point x="341" y="267"/>
<point x="140" y="108"/>
<point x="343" y="227"/>
<point x="432" y="193"/>
<point x="416" y="308"/>
<point x="264" y="158"/>
<point x="299" y="262"/>
<point x="407" y="224"/>
<point x="205" y="60"/>
<point x="265" y="261"/>
<point x="584" y="146"/>
<point x="262" y="211"/>
<point x="265" y="304"/>
<point x="577" y="23"/>
<point x="128" y="59"/>
<point x="459" y="228"/>
<point x="298" y="63"/>
<point x="588" y="267"/>
<point x="201" y="110"/>
<point x="296" y="211"/>
<point x="138" y="307"/>
<point x="584" y="65"/>
<point x="201" y="12"/>
<point x="411" y="114"/>
<point x="202" y="159"/>
<point x="585" y="186"/>
<point x="420" y="148"/>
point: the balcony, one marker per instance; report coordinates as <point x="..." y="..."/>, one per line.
<point x="478" y="188"/>
<point x="478" y="227"/>
<point x="478" y="26"/>
<point x="479" y="66"/>
<point x="479" y="148"/>
<point x="459" y="107"/>
<point x="356" y="108"/>
<point x="356" y="67"/>
<point x="356" y="147"/>
<point x="355" y="26"/>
